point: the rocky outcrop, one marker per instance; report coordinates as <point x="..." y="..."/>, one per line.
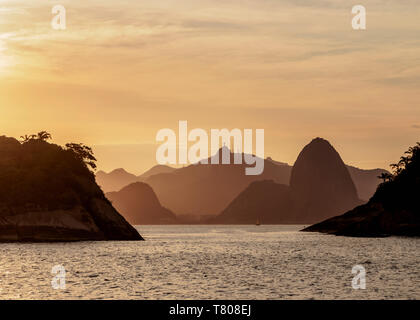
<point x="47" y="193"/>
<point x="55" y="225"/>
<point x="139" y="205"/>
<point x="111" y="223"/>
<point x="321" y="182"/>
<point x="394" y="209"/>
<point x="371" y="220"/>
<point x="320" y="188"/>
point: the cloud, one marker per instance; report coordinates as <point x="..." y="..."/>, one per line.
<point x="404" y="81"/>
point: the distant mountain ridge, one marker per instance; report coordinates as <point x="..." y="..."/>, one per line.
<point x="115" y="179"/>
<point x="205" y="190"/>
<point x="158" y="169"/>
<point x="365" y="180"/>
<point x="119" y="178"/>
<point x="138" y="204"/>
<point x="320" y="187"/>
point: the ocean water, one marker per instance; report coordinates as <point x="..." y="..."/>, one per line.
<point x="214" y="262"/>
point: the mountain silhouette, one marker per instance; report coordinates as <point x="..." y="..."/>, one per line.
<point x="198" y="192"/>
<point x="115" y="179"/>
<point x="138" y="203"/>
<point x="264" y="201"/>
<point x="119" y="178"/>
<point x="206" y="189"/>
<point x="394" y="209"/>
<point x="48" y="193"/>
<point x="320" y="187"/>
<point x="321" y="182"/>
<point x="155" y="170"/>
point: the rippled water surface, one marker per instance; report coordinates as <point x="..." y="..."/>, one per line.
<point x="215" y="262"/>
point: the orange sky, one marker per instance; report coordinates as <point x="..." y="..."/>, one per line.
<point x="122" y="70"/>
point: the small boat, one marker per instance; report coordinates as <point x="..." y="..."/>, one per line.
<point x="258" y="222"/>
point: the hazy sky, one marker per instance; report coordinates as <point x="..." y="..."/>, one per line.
<point x="122" y="70"/>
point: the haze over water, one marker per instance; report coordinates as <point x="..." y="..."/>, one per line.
<point x="214" y="262"/>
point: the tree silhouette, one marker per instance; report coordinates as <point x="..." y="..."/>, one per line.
<point x="385" y="176"/>
<point x="83" y="153"/>
<point x="27" y="138"/>
<point x="43" y="136"/>
<point x="405" y="161"/>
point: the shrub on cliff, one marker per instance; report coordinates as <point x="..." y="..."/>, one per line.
<point x="36" y="172"/>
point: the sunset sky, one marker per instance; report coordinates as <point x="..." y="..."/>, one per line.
<point x="122" y="70"/>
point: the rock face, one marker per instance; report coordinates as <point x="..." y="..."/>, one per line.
<point x="393" y="210"/>
<point x="47" y="193"/>
<point x="321" y="182"/>
<point x="139" y="205"/>
<point x="320" y="187"/>
<point x="371" y="220"/>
